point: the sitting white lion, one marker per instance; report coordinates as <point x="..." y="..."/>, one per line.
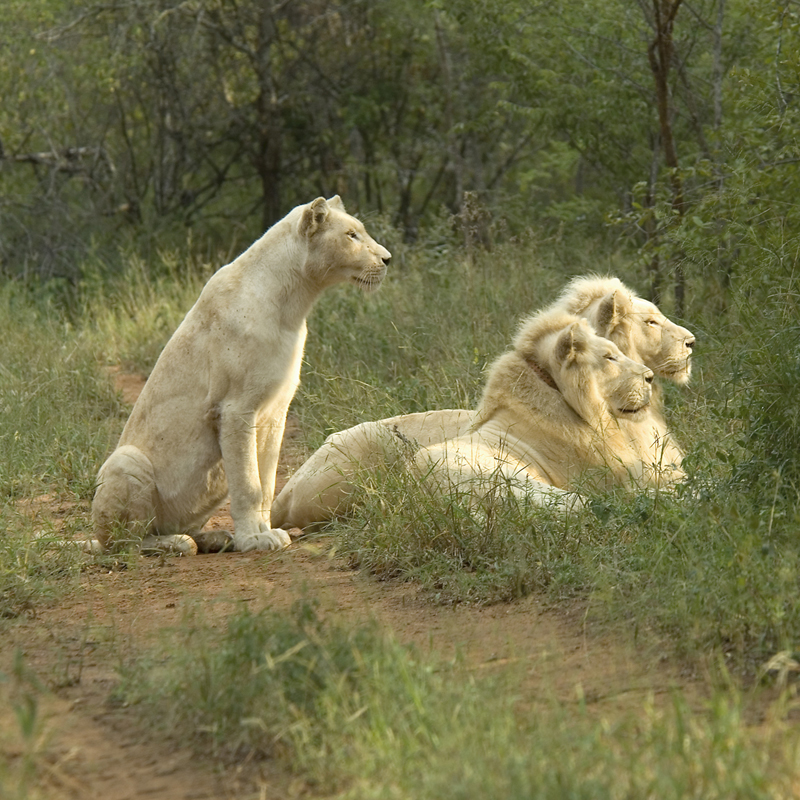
<point x="563" y="409"/>
<point x="210" y="419"/>
<point x="325" y="484"/>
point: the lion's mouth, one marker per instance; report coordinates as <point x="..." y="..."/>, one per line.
<point x="630" y="412"/>
<point x="368" y="284"/>
<point x="674" y="372"/>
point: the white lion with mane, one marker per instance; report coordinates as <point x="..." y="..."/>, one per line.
<point x="211" y="416"/>
<point x="563" y="409"/>
<point x="325" y="485"/>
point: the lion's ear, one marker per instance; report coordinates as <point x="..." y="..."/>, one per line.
<point x="336" y="202"/>
<point x="613" y="308"/>
<point x="570" y="344"/>
<point x="314" y="215"/>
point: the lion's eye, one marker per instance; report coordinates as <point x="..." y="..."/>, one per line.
<point x="611" y="357"/>
<point x="653" y="322"/>
<point x="353" y="235"/>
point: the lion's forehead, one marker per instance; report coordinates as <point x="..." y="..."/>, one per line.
<point x="620" y="369"/>
<point x="357" y="225"/>
<point x="602" y="348"/>
<point x="645" y="311"/>
<point x="645" y="308"/>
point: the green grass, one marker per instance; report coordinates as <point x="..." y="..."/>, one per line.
<point x="59" y="413"/>
<point x="706" y="574"/>
<point x="712" y="572"/>
<point x="56" y="408"/>
<point x="359" y="716"/>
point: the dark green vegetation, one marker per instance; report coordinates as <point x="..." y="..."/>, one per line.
<point x="141" y="125"/>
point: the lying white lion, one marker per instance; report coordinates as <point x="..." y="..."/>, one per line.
<point x="210" y="419"/>
<point x="325" y="484"/>
<point x="563" y="410"/>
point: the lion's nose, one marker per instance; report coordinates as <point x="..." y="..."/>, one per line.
<point x="649" y="377"/>
<point x="690" y="343"/>
<point x="386" y="257"/>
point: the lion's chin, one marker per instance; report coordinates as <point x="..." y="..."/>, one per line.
<point x="680" y="375"/>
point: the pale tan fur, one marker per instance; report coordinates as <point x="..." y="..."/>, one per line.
<point x="323" y="486"/>
<point x="592" y="426"/>
<point x="210" y="419"/>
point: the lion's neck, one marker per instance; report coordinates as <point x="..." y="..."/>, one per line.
<point x="272" y="276"/>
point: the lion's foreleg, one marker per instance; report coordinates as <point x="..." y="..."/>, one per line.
<point x="239" y="446"/>
<point x="269" y="439"/>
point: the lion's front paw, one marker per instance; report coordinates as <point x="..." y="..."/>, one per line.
<point x="266" y="539"/>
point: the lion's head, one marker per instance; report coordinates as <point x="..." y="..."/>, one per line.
<point x="564" y="400"/>
<point x="596" y="379"/>
<point x="635" y="325"/>
<point x="339" y="248"/>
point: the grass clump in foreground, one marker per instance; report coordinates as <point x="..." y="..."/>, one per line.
<point x="360" y="716"/>
<point x="702" y="568"/>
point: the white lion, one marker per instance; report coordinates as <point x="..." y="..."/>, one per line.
<point x="324" y="486"/>
<point x="562" y="410"/>
<point x="210" y="418"/>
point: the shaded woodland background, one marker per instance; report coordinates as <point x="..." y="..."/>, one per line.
<point x="666" y="127"/>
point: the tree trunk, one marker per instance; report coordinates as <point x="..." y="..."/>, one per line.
<point x="269" y="124"/>
<point x="660" y="54"/>
<point x="651" y="225"/>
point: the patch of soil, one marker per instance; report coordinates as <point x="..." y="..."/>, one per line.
<point x="98" y="748"/>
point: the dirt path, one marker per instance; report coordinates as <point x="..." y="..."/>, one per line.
<point x="98" y="749"/>
<point x="94" y="748"/>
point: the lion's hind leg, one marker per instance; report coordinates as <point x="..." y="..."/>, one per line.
<point x="124" y="505"/>
<point x="326" y="485"/>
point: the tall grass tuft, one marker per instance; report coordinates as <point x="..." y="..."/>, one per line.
<point x="55" y="412"/>
<point x="497" y="550"/>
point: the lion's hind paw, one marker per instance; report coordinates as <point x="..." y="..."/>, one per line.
<point x="213" y="541"/>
